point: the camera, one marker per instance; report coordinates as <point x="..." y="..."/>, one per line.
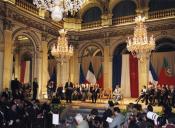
<point x="158" y="120"/>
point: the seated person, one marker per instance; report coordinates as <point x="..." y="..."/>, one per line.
<point x="117" y="94"/>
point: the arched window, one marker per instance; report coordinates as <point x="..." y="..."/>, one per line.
<point x="124" y="8"/>
<point x="165" y="45"/>
<point x="155" y="5"/>
<point x="93" y="14"/>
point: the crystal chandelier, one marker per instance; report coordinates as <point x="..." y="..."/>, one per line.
<point x="58" y="7"/>
<point x="141" y="45"/>
<point x="61" y="50"/>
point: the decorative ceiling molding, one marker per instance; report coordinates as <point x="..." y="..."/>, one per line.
<point x="12" y="13"/>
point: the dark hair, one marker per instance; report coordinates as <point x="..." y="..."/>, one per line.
<point x="150" y="108"/>
<point x="111" y="104"/>
<point x="137" y="107"/>
<point x="94" y="111"/>
<point x="107" y="113"/>
<point x="117" y="109"/>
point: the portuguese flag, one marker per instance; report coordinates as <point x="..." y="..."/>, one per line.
<point x="165" y="76"/>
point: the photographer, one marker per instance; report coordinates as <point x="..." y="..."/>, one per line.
<point x="91" y="117"/>
<point x="168" y="114"/>
<point x="118" y="119"/>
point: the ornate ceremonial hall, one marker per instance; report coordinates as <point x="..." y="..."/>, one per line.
<point x="125" y="44"/>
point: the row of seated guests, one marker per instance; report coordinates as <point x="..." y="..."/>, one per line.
<point x="22" y="113"/>
<point x="76" y="92"/>
<point x="158" y="95"/>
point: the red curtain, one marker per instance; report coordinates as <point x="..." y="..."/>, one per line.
<point x="133" y="63"/>
<point x="23" y="67"/>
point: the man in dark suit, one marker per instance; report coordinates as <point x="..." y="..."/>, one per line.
<point x="35" y="88"/>
<point x="69" y="90"/>
<point x="95" y="92"/>
<point x="15" y="85"/>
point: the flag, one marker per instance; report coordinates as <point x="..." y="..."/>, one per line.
<point x="54" y="76"/>
<point x="100" y="77"/>
<point x="25" y="72"/>
<point x="152" y="75"/>
<point x="165" y="76"/>
<point x="81" y="77"/>
<point x="125" y="76"/>
<point x="90" y="77"/>
<point x="134" y="83"/>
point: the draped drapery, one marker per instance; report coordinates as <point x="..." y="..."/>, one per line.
<point x="134" y="82"/>
<point x="125" y="76"/>
<point x="96" y="63"/>
<point x="117" y="65"/>
<point x="25" y="72"/>
<point x="52" y="65"/>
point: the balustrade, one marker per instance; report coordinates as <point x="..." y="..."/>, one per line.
<point x="161" y="13"/>
<point x="27" y="6"/>
<point x="123" y="20"/>
<point x="89" y="25"/>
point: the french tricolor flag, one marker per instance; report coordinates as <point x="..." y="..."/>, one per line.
<point x="152" y="75"/>
<point x="90" y="77"/>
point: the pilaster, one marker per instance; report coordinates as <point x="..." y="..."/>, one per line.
<point x="63" y="72"/>
<point x="59" y="74"/>
<point x="44" y="64"/>
<point x="107" y="66"/>
<point x="17" y="65"/>
<point x="7" y="65"/>
<point x="38" y="74"/>
<point x="106" y="19"/>
<point x="74" y="67"/>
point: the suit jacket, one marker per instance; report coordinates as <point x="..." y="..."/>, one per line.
<point x="35" y="85"/>
<point x="69" y="87"/>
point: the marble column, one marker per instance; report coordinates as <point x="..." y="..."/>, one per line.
<point x="59" y="74"/>
<point x="17" y="65"/>
<point x="143" y="67"/>
<point x="38" y="74"/>
<point x="63" y="72"/>
<point x="7" y="65"/>
<point x="44" y="67"/>
<point x="74" y="67"/>
<point x="107" y="68"/>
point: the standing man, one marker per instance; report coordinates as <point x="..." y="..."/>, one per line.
<point x="69" y="90"/>
<point x="35" y="88"/>
<point x="15" y="85"/>
<point x="95" y="92"/>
